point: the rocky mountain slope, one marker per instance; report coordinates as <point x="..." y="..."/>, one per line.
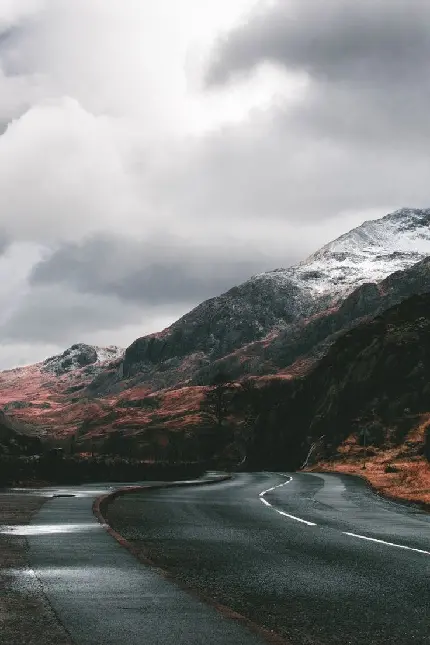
<point x="272" y="304"/>
<point x="280" y="323"/>
<point x="37" y="393"/>
<point x="81" y="355"/>
<point x="309" y="338"/>
<point x="15" y="437"/>
<point x="371" y="389"/>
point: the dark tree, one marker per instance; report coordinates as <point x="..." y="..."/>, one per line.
<point x="215" y="402"/>
<point x="427" y="444"/>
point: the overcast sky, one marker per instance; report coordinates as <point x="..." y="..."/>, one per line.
<point x="153" y="154"/>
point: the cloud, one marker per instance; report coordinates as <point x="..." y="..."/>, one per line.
<point x="155" y="271"/>
<point x="52" y="315"/>
<point x="279" y="172"/>
<point x="366" y="63"/>
<point x="12" y="12"/>
<point x="359" y="42"/>
<point x="62" y="175"/>
<point x="130" y="190"/>
<point x="4" y="243"/>
<point x="13" y="354"/>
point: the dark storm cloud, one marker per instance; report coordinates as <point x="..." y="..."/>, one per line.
<point x="367" y="63"/>
<point x="356" y="138"/>
<point x="364" y="41"/>
<point x="6" y="35"/>
<point x="148" y="273"/>
<point x="50" y="314"/>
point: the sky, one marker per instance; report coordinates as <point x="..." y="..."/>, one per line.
<point x="154" y="154"/>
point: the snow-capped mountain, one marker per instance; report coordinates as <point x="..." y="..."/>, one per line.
<point x="277" y="299"/>
<point x="281" y="321"/>
<point x="80" y="355"/>
<point x="368" y="253"/>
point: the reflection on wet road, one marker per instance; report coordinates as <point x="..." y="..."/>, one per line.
<point x="101" y="594"/>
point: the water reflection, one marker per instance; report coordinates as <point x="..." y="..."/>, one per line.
<point x="47" y="529"/>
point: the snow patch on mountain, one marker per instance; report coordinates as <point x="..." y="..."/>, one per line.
<point x="81" y="355"/>
<point x="368" y="253"/>
<point x="110" y="353"/>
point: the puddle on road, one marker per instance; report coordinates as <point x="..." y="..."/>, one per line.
<point x="47" y="529"/>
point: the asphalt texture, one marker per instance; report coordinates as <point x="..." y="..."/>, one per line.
<point x="102" y="594"/>
<point x="313" y="583"/>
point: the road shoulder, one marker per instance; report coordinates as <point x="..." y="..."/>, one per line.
<point x="25" y="614"/>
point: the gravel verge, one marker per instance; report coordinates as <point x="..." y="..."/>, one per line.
<point x="26" y="618"/>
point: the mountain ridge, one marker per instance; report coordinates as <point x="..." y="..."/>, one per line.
<point x="276" y="299"/>
<point x="262" y="327"/>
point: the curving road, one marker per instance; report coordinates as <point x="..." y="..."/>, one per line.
<point x="101" y="594"/>
<point x="318" y="558"/>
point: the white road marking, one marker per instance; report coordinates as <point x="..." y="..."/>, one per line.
<point x="398" y="546"/>
<point x="291" y="517"/>
<point x="356" y="535"/>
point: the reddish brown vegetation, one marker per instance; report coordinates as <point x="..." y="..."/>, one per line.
<point x="396" y="472"/>
<point x="43" y="400"/>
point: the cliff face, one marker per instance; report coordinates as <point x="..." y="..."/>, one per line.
<point x="220" y="325"/>
<point x="372" y="386"/>
<point x="376" y="376"/>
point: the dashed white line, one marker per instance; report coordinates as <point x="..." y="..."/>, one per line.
<point x="356" y="535"/>
<point x="398" y="546"/>
<point x="291" y="517"/>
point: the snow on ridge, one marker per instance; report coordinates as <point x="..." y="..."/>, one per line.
<point x="81" y="355"/>
<point x="109" y="353"/>
<point x="368" y="253"/>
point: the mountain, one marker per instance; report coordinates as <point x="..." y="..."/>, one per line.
<point x="278" y="323"/>
<point x="309" y="338"/>
<point x="39" y="393"/>
<point x="372" y="388"/>
<point x="368" y="253"/>
<point x="273" y="302"/>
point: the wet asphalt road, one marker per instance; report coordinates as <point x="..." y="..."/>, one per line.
<point x="101" y="594"/>
<point x="297" y="559"/>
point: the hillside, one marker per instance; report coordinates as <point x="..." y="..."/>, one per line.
<point x="276" y="327"/>
<point x="16" y="438"/>
<point x="42" y="394"/>
<point x="307" y="340"/>
<point x="372" y="387"/>
<point x="274" y="304"/>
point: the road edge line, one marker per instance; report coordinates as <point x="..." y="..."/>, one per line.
<point x="383" y="495"/>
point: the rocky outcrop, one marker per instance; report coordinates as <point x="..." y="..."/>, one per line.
<point x="78" y="356"/>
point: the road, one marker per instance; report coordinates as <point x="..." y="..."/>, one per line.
<point x="318" y="558"/>
<point x="101" y="594"/>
